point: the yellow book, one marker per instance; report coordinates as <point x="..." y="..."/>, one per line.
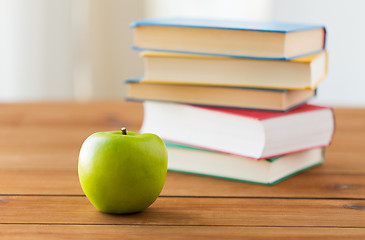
<point x="300" y="73"/>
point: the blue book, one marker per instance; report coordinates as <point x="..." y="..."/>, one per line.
<point x="242" y="39"/>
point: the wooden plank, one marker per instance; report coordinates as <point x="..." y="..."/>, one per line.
<point x="107" y="113"/>
<point x="63" y="155"/>
<point x="48" y="156"/>
<point x="43" y="127"/>
<point x="31" y="148"/>
<point x="306" y="185"/>
<point x="97" y="232"/>
<point x="44" y="138"/>
<point x="354" y="115"/>
<point x="40" y="182"/>
<point x="49" y="136"/>
<point x="345" y="162"/>
<point x="176" y="211"/>
<point x="348" y="142"/>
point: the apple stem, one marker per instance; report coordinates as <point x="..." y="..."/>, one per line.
<point x="124" y="131"/>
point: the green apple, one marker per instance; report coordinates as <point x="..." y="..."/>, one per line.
<point x="122" y="172"/>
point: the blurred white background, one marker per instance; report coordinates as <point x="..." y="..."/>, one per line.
<point x="56" y="50"/>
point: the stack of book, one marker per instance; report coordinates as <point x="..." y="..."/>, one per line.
<point x="229" y="98"/>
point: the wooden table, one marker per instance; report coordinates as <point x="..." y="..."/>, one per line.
<point x="41" y="197"/>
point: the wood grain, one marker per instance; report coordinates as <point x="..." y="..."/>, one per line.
<point x="305" y="185"/>
<point x="49" y="135"/>
<point x="40" y="196"/>
<point x="58" y="114"/>
<point x="97" y="232"/>
<point x="189" y="212"/>
<point x="35" y="153"/>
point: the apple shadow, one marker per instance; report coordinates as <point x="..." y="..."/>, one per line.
<point x="152" y="216"/>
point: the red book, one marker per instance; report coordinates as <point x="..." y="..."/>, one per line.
<point x="250" y="133"/>
<point x="261" y="115"/>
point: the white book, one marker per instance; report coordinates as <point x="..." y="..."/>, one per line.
<point x="266" y="171"/>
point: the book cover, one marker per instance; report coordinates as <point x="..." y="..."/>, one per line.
<point x="261" y="115"/>
<point x="291" y="40"/>
<point x="283" y="27"/>
<point x="302" y="59"/>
